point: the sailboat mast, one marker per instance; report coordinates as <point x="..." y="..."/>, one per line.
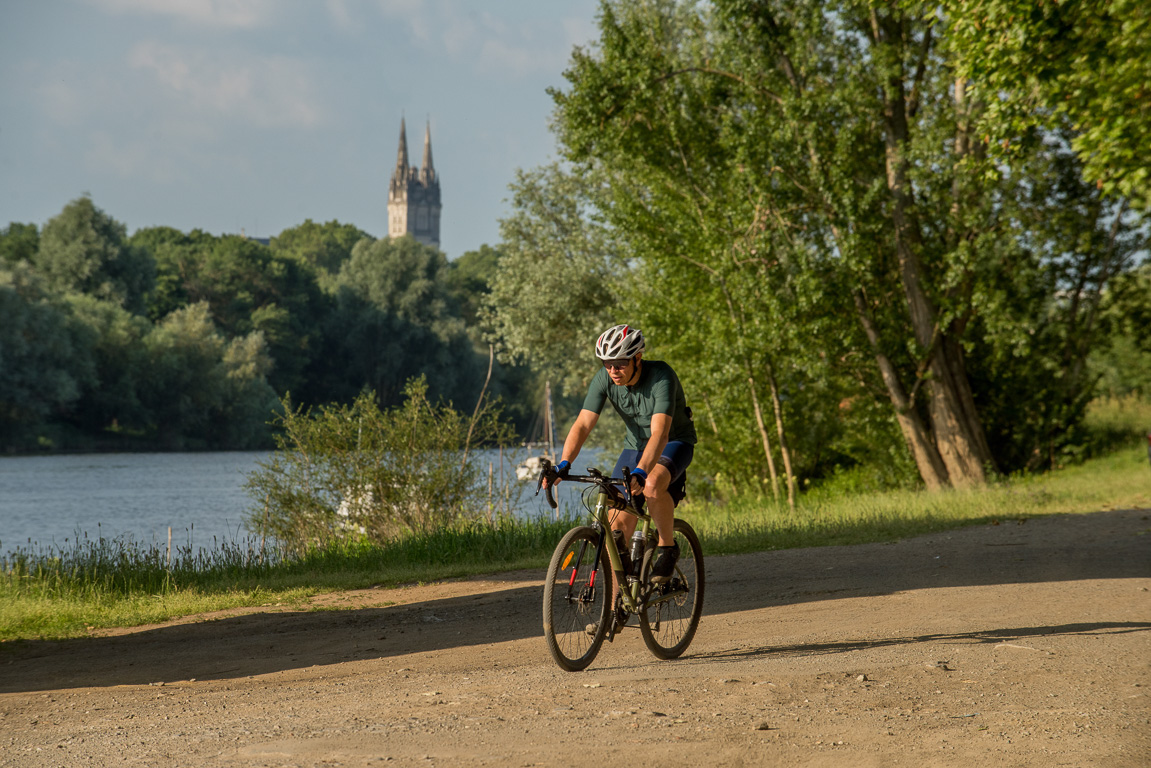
<point x="549" y="422"/>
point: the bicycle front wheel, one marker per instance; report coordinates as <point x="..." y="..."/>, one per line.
<point x="577" y="599"/>
<point x="670" y="613"/>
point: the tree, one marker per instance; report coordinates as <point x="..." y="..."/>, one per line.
<point x="202" y="390"/>
<point x="469" y="279"/>
<point x="111" y="402"/>
<point x="812" y="167"/>
<point x="558" y="282"/>
<point x="248" y="288"/>
<point x="45" y="358"/>
<point x="324" y="246"/>
<point x="1088" y="61"/>
<point x="1031" y="343"/>
<point x="1123" y="360"/>
<point x="83" y="250"/>
<point x="394" y="319"/>
<point x="18" y="242"/>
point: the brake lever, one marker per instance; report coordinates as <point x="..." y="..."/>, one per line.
<point x="546" y="470"/>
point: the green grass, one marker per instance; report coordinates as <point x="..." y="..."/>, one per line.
<point x="1117" y="481"/>
<point x="95" y="584"/>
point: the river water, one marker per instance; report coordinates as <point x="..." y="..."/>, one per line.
<point x="50" y="501"/>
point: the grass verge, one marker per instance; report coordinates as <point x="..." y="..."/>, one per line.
<point x="59" y="594"/>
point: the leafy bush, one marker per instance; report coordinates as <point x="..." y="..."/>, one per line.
<point x="356" y="472"/>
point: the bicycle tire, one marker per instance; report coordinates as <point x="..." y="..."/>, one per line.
<point x="576" y="596"/>
<point x="670" y="614"/>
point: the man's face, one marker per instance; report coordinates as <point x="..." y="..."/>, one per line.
<point x="620" y="371"/>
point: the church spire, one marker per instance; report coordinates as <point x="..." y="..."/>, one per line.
<point x="427" y="171"/>
<point x="402" y="155"/>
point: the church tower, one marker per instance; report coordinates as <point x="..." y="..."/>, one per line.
<point x="414" y="195"/>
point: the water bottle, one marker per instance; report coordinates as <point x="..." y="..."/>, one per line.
<point x="637" y="547"/>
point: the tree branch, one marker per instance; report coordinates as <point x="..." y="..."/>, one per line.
<point x="920" y="71"/>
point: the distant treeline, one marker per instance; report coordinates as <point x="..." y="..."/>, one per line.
<point x="172" y="340"/>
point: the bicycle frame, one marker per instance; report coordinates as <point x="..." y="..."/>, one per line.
<point x="630" y="587"/>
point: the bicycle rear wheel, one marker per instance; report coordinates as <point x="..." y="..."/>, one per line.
<point x="577" y="599"/>
<point x="670" y="614"/>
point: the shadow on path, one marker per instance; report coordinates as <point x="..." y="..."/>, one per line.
<point x="990" y="636"/>
<point x="1106" y="545"/>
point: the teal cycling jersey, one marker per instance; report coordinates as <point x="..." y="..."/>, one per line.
<point x="657" y="391"/>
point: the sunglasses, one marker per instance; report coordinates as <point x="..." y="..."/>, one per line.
<point x="617" y="365"/>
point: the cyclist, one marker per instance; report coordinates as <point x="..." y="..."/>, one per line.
<point x="660" y="439"/>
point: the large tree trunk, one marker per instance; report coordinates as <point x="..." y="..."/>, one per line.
<point x="777" y="406"/>
<point x="958" y="432"/>
<point x="955" y="424"/>
<point x="763" y="436"/>
<point x="916" y="435"/>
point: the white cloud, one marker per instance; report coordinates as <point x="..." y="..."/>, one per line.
<point x="503" y="45"/>
<point x="237" y="14"/>
<point x="340" y="15"/>
<point x="272" y="91"/>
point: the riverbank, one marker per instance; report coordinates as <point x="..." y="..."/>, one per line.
<point x="75" y="592"/>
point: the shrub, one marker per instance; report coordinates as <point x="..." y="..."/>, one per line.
<point x="356" y="472"/>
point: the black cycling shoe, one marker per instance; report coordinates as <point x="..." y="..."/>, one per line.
<point x="664" y="566"/>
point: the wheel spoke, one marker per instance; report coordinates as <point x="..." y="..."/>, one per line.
<point x="573" y="600"/>
<point x="671" y="612"/>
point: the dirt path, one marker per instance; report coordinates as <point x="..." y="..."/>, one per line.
<point x="1011" y="645"/>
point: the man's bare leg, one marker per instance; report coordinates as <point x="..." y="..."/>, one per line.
<point x="659" y="504"/>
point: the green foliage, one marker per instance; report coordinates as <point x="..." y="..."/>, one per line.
<point x="18" y="242"/>
<point x="45" y="357"/>
<point x="837" y="515"/>
<point x="469" y="280"/>
<point x="84" y="250"/>
<point x="1123" y="361"/>
<point x="394" y="318"/>
<point x="1042" y="323"/>
<point x="1114" y="423"/>
<point x="403" y="278"/>
<point x="323" y="246"/>
<point x="807" y="178"/>
<point x="66" y="591"/>
<point x="102" y="356"/>
<point x="203" y="390"/>
<point x="248" y="286"/>
<point x="1088" y="60"/>
<point x="559" y="281"/>
<point x="114" y="399"/>
<point x="356" y="471"/>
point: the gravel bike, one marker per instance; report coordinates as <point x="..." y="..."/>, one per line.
<point x="579" y="610"/>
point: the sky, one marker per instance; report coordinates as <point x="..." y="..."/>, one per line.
<point x="252" y="116"/>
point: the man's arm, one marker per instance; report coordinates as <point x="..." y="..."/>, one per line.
<point x="576" y="436"/>
<point x="660" y="430"/>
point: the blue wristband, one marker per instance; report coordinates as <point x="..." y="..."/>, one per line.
<point x="640" y="473"/>
<point x="563" y="467"/>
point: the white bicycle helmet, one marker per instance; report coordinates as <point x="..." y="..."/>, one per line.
<point x="619" y="342"/>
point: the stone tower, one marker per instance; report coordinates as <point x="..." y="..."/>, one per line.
<point x="414" y="195"/>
